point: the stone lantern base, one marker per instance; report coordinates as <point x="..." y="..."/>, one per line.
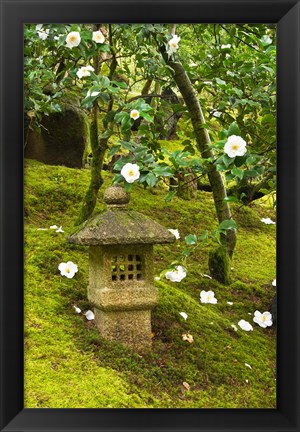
<point x="132" y="328"/>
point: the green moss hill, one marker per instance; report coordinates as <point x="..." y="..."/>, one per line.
<point x="68" y="364"/>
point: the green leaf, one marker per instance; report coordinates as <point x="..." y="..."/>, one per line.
<point x="114" y="150"/>
<point x="220" y="82"/>
<point x="128" y="186"/>
<point x="190" y="239"/>
<point x="238" y="172"/>
<point x="147" y="117"/>
<point x="151" y="179"/>
<point x="234" y="129"/>
<point x="231" y="198"/>
<point x="170" y="196"/>
<point x="163" y="171"/>
<point x="268" y="119"/>
<point x="227" y="224"/>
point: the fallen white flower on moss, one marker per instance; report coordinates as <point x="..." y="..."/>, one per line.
<point x="245" y="325"/>
<point x="183" y="314"/>
<point x="187" y="337"/>
<point x="207" y="276"/>
<point x="268" y="221"/>
<point x="264" y="319"/>
<point x="68" y="269"/>
<point x="208" y="297"/>
<point x="89" y="315"/>
<point x="274" y="283"/>
<point x="175" y="232"/>
<point x="176" y="275"/>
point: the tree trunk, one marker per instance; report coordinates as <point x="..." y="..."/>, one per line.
<point x="218" y="260"/>
<point x="99" y="147"/>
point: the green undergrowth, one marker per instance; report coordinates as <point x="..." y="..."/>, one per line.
<point x="69" y="365"/>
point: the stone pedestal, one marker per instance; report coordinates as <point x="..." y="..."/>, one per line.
<point x="132" y="328"/>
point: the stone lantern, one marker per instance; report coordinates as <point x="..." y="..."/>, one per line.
<point x="121" y="269"/>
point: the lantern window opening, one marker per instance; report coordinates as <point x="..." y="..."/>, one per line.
<point x="127" y="268"/>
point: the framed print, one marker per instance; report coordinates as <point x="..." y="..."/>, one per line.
<point x="149" y="217"/>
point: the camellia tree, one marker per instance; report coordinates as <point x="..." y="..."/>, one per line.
<point x="132" y="79"/>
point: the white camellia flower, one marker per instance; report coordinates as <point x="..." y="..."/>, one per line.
<point x="184" y="315"/>
<point x="187" y="337"/>
<point x="134" y="114"/>
<point x="245" y="325"/>
<point x="176" y="275"/>
<point x="264" y="320"/>
<point x="98" y="37"/>
<point x="59" y="230"/>
<point x="268" y="221"/>
<point x="68" y="269"/>
<point x="130" y="172"/>
<point x="175" y="232"/>
<point x="43" y="33"/>
<point x="84" y="71"/>
<point x="89" y="315"/>
<point x="225" y="46"/>
<point x="235" y="146"/>
<point x="73" y="39"/>
<point x="77" y="310"/>
<point x="208" y="297"/>
<point x="274" y="283"/>
<point x="173" y="45"/>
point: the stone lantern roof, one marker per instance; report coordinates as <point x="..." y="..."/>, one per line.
<point x="120" y="226"/>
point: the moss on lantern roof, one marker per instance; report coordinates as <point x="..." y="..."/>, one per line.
<point x="118" y="225"/>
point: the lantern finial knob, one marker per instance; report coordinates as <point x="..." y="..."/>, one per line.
<point x="116" y="196"/>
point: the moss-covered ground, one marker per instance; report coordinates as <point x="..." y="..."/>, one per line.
<point x="68" y="364"/>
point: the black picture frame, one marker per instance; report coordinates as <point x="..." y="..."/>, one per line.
<point x="286" y="14"/>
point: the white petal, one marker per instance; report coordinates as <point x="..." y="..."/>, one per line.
<point x="230" y="303"/>
<point x="77" y="310"/>
<point x="183" y="314"/>
<point x="89" y="315"/>
<point x="246" y="364"/>
<point x="53" y="227"/>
